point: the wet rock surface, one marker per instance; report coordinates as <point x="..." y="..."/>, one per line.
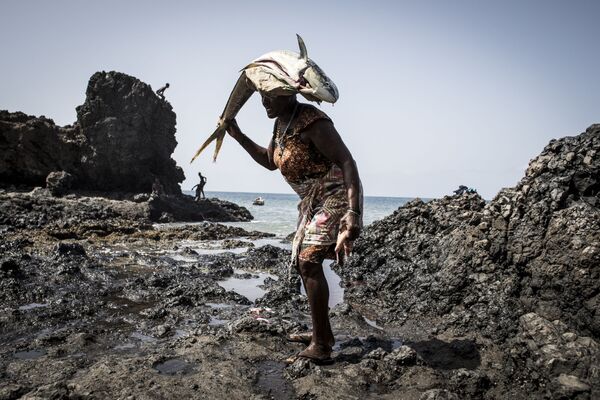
<point x="451" y="299"/>
<point x="519" y="274"/>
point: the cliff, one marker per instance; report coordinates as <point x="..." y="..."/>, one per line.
<point x="121" y="142"/>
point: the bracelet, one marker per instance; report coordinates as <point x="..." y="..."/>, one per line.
<point x="353" y="212"/>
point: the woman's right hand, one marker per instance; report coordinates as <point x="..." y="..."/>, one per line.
<point x="234" y="130"/>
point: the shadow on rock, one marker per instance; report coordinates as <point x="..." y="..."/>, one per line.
<point x="448" y="355"/>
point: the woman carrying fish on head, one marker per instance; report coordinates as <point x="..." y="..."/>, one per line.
<point x="316" y="163"/>
<point x="314" y="160"/>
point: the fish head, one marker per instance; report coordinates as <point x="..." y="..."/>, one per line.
<point x="318" y="85"/>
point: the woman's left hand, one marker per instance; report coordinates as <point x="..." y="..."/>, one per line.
<point x="350" y="229"/>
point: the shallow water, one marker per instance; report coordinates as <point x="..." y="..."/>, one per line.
<point x="174" y="366"/>
<point x="30" y="354"/>
<point x="248" y="288"/>
<point x="372" y="323"/>
<point x="31" y="306"/>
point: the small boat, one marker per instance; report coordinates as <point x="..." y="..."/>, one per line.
<point x="259" y="201"/>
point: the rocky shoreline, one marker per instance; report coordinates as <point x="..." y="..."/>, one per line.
<point x="103" y="296"/>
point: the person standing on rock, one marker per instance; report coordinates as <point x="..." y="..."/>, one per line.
<point x="200" y="187"/>
<point x="161" y="91"/>
<point x="316" y="163"/>
<point x="157" y="188"/>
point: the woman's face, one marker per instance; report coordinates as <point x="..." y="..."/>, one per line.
<point x="275" y="106"/>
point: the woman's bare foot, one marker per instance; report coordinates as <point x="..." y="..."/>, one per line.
<point x="320" y="355"/>
<point x="306" y="338"/>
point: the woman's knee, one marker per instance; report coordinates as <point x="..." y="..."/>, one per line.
<point x="309" y="269"/>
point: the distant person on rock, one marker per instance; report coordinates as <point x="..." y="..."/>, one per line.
<point x="161" y="91"/>
<point x="463" y="189"/>
<point x="200" y="187"/>
<point x="157" y="188"/>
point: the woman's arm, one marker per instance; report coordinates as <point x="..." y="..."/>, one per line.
<point x="327" y="140"/>
<point x="261" y="155"/>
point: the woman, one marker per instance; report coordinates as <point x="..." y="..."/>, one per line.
<point x="314" y="160"/>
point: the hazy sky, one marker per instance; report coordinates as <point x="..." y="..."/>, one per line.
<point x="433" y="94"/>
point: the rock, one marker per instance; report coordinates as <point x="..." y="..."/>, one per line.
<point x="131" y="136"/>
<point x="169" y="208"/>
<point x="376" y="354"/>
<point x="568" y="385"/>
<point x="438" y="394"/>
<point x="299" y="368"/>
<point x="522" y="270"/>
<point x="122" y="141"/>
<point x="141" y="197"/>
<point x="162" y="331"/>
<point x="403" y="355"/>
<point x="9" y="267"/>
<point x="73" y="249"/>
<point x="59" y="182"/>
<point x="469" y="384"/>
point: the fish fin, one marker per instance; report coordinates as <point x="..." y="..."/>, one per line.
<point x="218" y="146"/>
<point x="251" y="65"/>
<point x="303" y="52"/>
<point x="215" y="135"/>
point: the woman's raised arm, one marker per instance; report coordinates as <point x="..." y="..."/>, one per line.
<point x="263" y="156"/>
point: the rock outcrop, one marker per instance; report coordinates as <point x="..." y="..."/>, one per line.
<point x="74" y="216"/>
<point x="122" y="141"/>
<point x="522" y="271"/>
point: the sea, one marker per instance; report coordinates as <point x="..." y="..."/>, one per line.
<point x="279" y="213"/>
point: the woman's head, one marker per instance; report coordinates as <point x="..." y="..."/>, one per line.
<point x="277" y="106"/>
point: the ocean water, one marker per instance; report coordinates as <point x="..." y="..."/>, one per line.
<point x="279" y="214"/>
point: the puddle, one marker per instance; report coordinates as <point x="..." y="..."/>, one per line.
<point x="248" y="288"/>
<point x="336" y="292"/>
<point x="214" y="321"/>
<point x="271" y="381"/>
<point x="30" y="354"/>
<point x="126" y="346"/>
<point x="276" y="242"/>
<point x="174" y="366"/>
<point x="143" y="338"/>
<point x="31" y="306"/>
<point x="372" y="323"/>
<point x="179" y="333"/>
<point x="183" y="258"/>
<point x="218" y="305"/>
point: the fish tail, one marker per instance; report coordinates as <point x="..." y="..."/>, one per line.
<point x="218" y="146"/>
<point x="220" y="130"/>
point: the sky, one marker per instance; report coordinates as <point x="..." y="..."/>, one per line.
<point x="433" y="94"/>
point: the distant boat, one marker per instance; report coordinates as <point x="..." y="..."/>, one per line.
<point x="259" y="201"/>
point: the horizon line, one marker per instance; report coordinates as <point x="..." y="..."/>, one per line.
<point x="391" y="197"/>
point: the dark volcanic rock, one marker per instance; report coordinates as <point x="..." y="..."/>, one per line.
<point x="130" y="133"/>
<point x="59" y="182"/>
<point x="183" y="208"/>
<point x="32" y="147"/>
<point x="122" y="141"/>
<point x="501" y="270"/>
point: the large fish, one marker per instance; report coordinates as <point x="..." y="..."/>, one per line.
<point x="277" y="73"/>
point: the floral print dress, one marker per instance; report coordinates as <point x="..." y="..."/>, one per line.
<point x="318" y="182"/>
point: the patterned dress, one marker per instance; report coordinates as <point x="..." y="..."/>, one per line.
<point x="318" y="182"/>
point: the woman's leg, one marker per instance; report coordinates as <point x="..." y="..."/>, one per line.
<point x="318" y="299"/>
